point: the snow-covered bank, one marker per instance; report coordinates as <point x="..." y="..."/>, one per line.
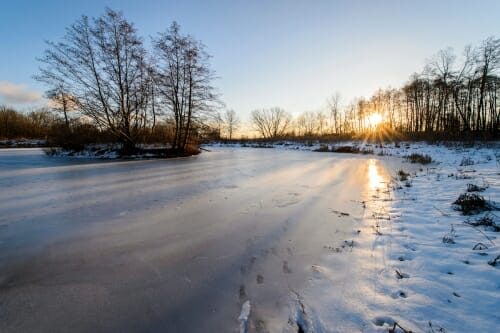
<point x="22" y="143"/>
<point x="114" y="151"/>
<point x="414" y="264"/>
<point x="446" y="280"/>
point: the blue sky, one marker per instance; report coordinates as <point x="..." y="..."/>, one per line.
<point x="292" y="54"/>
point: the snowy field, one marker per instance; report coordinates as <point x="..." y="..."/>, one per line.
<point x="430" y="270"/>
<point x="245" y="239"/>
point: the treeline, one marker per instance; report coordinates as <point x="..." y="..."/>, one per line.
<point x="107" y="87"/>
<point x="102" y="69"/>
<point x="448" y="99"/>
<point x="33" y="125"/>
<point x="75" y="132"/>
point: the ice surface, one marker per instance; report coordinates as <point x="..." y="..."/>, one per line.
<point x="310" y="240"/>
<point x="174" y="245"/>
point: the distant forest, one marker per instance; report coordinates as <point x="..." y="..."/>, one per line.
<point x="446" y="97"/>
<point x="104" y="87"/>
<point x="449" y="99"/>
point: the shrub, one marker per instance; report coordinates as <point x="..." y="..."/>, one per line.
<point x="192" y="149"/>
<point x="470" y="204"/>
<point x="352" y="150"/>
<point x="346" y="149"/>
<point x="418" y="158"/>
<point x="402" y="175"/>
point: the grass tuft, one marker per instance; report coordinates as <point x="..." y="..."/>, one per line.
<point x="402" y="175"/>
<point x="418" y="158"/>
<point x="470" y="204"/>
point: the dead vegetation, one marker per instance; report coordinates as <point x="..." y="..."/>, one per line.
<point x="400" y="275"/>
<point x="494" y="262"/>
<point x="397" y="328"/>
<point x="402" y="175"/>
<point x="485" y="221"/>
<point x="440" y="329"/>
<point x="479" y="247"/>
<point x="449" y="238"/>
<point x="470" y="204"/>
<point x="351" y="150"/>
<point x="418" y="158"/>
<point x="475" y="188"/>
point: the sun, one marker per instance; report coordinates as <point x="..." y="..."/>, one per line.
<point x="375" y="119"/>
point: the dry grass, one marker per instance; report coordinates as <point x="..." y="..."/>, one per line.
<point x="470" y="204"/>
<point x="419" y="158"/>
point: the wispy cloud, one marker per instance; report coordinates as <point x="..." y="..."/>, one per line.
<point x="18" y="93"/>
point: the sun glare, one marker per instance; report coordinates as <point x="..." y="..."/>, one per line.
<point x="375" y="119"/>
<point x="374" y="178"/>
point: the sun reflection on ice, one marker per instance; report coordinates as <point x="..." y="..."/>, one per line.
<point x="375" y="180"/>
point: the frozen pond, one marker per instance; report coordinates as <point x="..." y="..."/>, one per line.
<point x="170" y="245"/>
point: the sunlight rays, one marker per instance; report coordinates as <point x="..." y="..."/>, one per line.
<point x="375" y="119"/>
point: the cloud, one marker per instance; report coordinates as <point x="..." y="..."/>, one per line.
<point x="18" y="93"/>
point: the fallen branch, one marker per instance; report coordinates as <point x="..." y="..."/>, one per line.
<point x="495" y="261"/>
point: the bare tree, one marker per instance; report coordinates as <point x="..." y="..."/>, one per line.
<point x="322" y="122"/>
<point x="271" y="123"/>
<point x="100" y="62"/>
<point x="333" y="105"/>
<point x="487" y="62"/>
<point x="184" y="78"/>
<point x="307" y="123"/>
<point x="231" y="122"/>
<point x="61" y="101"/>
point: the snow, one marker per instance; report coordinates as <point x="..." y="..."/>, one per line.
<point x="243" y="318"/>
<point x="315" y="242"/>
<point x="400" y="270"/>
<point x="449" y="284"/>
<point x="19" y="143"/>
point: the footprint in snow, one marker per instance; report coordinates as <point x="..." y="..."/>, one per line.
<point x="286" y="268"/>
<point x="242" y="292"/>
<point x="382" y="320"/>
<point x="399" y="294"/>
<point x="245" y="268"/>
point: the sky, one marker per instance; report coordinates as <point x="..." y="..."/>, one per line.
<point x="291" y="54"/>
